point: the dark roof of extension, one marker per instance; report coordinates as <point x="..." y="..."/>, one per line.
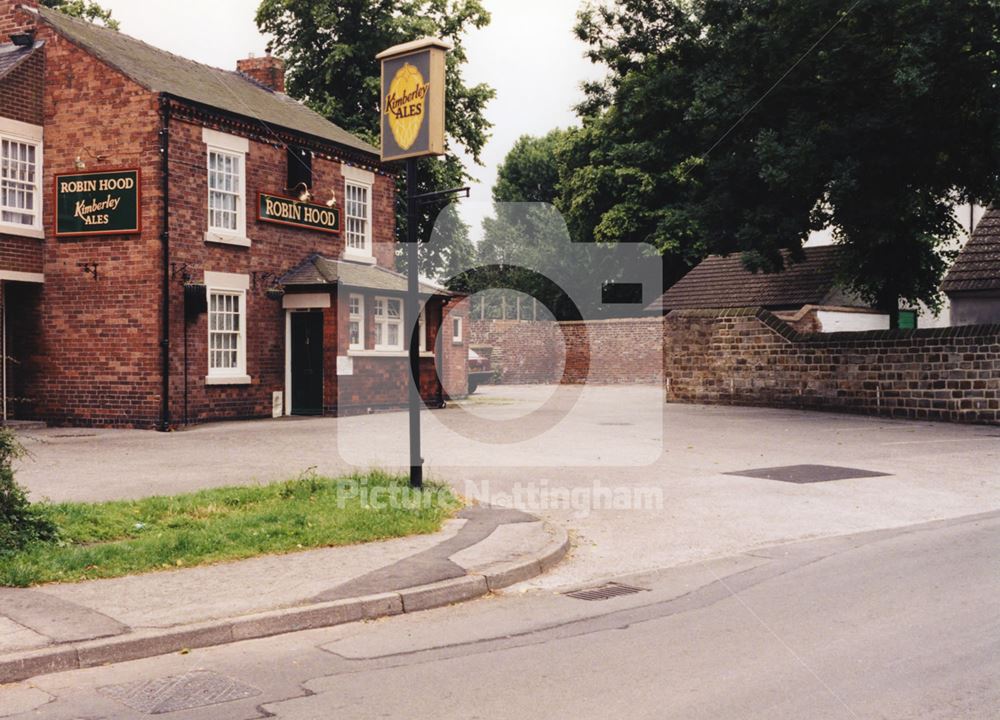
<point x="318" y="270"/>
<point x="164" y="72"/>
<point x="12" y="55"/>
<point x="977" y="266"/>
<point x="723" y="282"/>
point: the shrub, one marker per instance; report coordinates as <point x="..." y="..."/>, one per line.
<point x="21" y="523"/>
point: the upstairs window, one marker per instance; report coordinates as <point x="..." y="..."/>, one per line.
<point x="20" y="178"/>
<point x="300" y="170"/>
<point x="358" y="186"/>
<point x="225" y="171"/>
<point x="227" y="198"/>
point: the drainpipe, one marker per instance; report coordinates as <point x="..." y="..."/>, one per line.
<point x="164" y="424"/>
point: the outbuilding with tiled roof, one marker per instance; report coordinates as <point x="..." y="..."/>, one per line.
<point x="973" y="282"/>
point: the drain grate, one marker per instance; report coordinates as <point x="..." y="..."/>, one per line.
<point x="616" y="424"/>
<point x="181" y="692"/>
<point x="802" y="474"/>
<point x="605" y="592"/>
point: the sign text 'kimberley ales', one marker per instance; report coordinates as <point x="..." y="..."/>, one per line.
<point x="413" y="99"/>
<point x="286" y="211"/>
<point x="98" y="203"/>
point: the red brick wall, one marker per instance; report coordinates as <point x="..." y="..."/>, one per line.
<point x="97" y="353"/>
<point x="606" y="352"/>
<point x="454" y="357"/>
<point x="22" y="91"/>
<point x="13" y="20"/>
<point x="20" y="254"/>
<point x="750" y="357"/>
<point x="275" y="249"/>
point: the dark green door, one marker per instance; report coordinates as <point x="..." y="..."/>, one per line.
<point x="307" y="363"/>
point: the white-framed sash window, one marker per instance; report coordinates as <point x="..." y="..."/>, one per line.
<point x="227" y="198"/>
<point x="456" y="330"/>
<point x="227" y="328"/>
<point x="358" y="187"/>
<point x="388" y="313"/>
<point x="20" y="178"/>
<point x="356" y="322"/>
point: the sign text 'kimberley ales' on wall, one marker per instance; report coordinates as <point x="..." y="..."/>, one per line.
<point x="413" y="99"/>
<point x="98" y="203"/>
<point x="285" y="211"/>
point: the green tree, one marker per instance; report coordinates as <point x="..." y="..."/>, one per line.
<point x="742" y="126"/>
<point x="87" y="9"/>
<point x="524" y="244"/>
<point x="330" y="48"/>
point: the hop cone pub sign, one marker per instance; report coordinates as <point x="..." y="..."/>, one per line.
<point x="413" y="99"/>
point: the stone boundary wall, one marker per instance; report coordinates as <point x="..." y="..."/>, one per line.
<point x="750" y="357"/>
<point x="603" y="352"/>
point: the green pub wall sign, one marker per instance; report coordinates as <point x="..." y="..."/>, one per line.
<point x="98" y="203"/>
<point x="285" y="211"/>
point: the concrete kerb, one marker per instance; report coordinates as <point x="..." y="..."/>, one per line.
<point x="151" y="642"/>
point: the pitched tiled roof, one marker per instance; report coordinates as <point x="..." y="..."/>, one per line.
<point x="164" y="72"/>
<point x="318" y="270"/>
<point x="723" y="282"/>
<point x="977" y="266"/>
<point x="13" y="55"/>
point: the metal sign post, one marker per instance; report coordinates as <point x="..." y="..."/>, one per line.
<point x="412" y="311"/>
<point x="413" y="127"/>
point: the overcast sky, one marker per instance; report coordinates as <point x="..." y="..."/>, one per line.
<point x="528" y="53"/>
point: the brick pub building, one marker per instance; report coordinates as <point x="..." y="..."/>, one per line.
<point x="236" y="294"/>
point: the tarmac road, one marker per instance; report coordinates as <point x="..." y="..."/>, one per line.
<point x="535" y="446"/>
<point x="894" y="624"/>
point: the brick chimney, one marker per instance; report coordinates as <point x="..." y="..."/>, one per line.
<point x="269" y="71"/>
<point x="15" y="20"/>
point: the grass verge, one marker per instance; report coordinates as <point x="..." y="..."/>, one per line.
<point x="112" y="539"/>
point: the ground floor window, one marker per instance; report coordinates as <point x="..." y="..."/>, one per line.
<point x="356" y="322"/>
<point x="388" y="314"/>
<point x="226" y="333"/>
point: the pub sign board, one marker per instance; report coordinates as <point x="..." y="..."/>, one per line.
<point x="286" y="211"/>
<point x="98" y="203"/>
<point x="413" y="79"/>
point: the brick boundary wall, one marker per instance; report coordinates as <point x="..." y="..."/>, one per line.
<point x="750" y="357"/>
<point x="602" y="352"/>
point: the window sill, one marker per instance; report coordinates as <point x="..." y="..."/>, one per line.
<point x="215" y="237"/>
<point x="227" y="380"/>
<point x="354" y="256"/>
<point x="22" y="231"/>
<point x="386" y="353"/>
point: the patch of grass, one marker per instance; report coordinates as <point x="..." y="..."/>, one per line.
<point x="112" y="539"/>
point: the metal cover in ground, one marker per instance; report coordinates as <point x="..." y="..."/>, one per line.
<point x="807" y="473"/>
<point x="181" y="692"/>
<point x="604" y="592"/>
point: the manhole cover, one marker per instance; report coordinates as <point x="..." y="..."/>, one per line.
<point x="605" y="592"/>
<point x="807" y="473"/>
<point x="181" y="692"/>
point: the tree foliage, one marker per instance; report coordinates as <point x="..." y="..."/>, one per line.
<point x="743" y="126"/>
<point x="87" y="9"/>
<point x="525" y="243"/>
<point x="330" y="48"/>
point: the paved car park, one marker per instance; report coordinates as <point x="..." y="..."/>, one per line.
<point x="640" y="485"/>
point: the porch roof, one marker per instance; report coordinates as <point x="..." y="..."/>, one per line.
<point x="318" y="270"/>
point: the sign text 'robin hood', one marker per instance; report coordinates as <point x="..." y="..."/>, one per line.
<point x="285" y="211"/>
<point x="98" y="203"/>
